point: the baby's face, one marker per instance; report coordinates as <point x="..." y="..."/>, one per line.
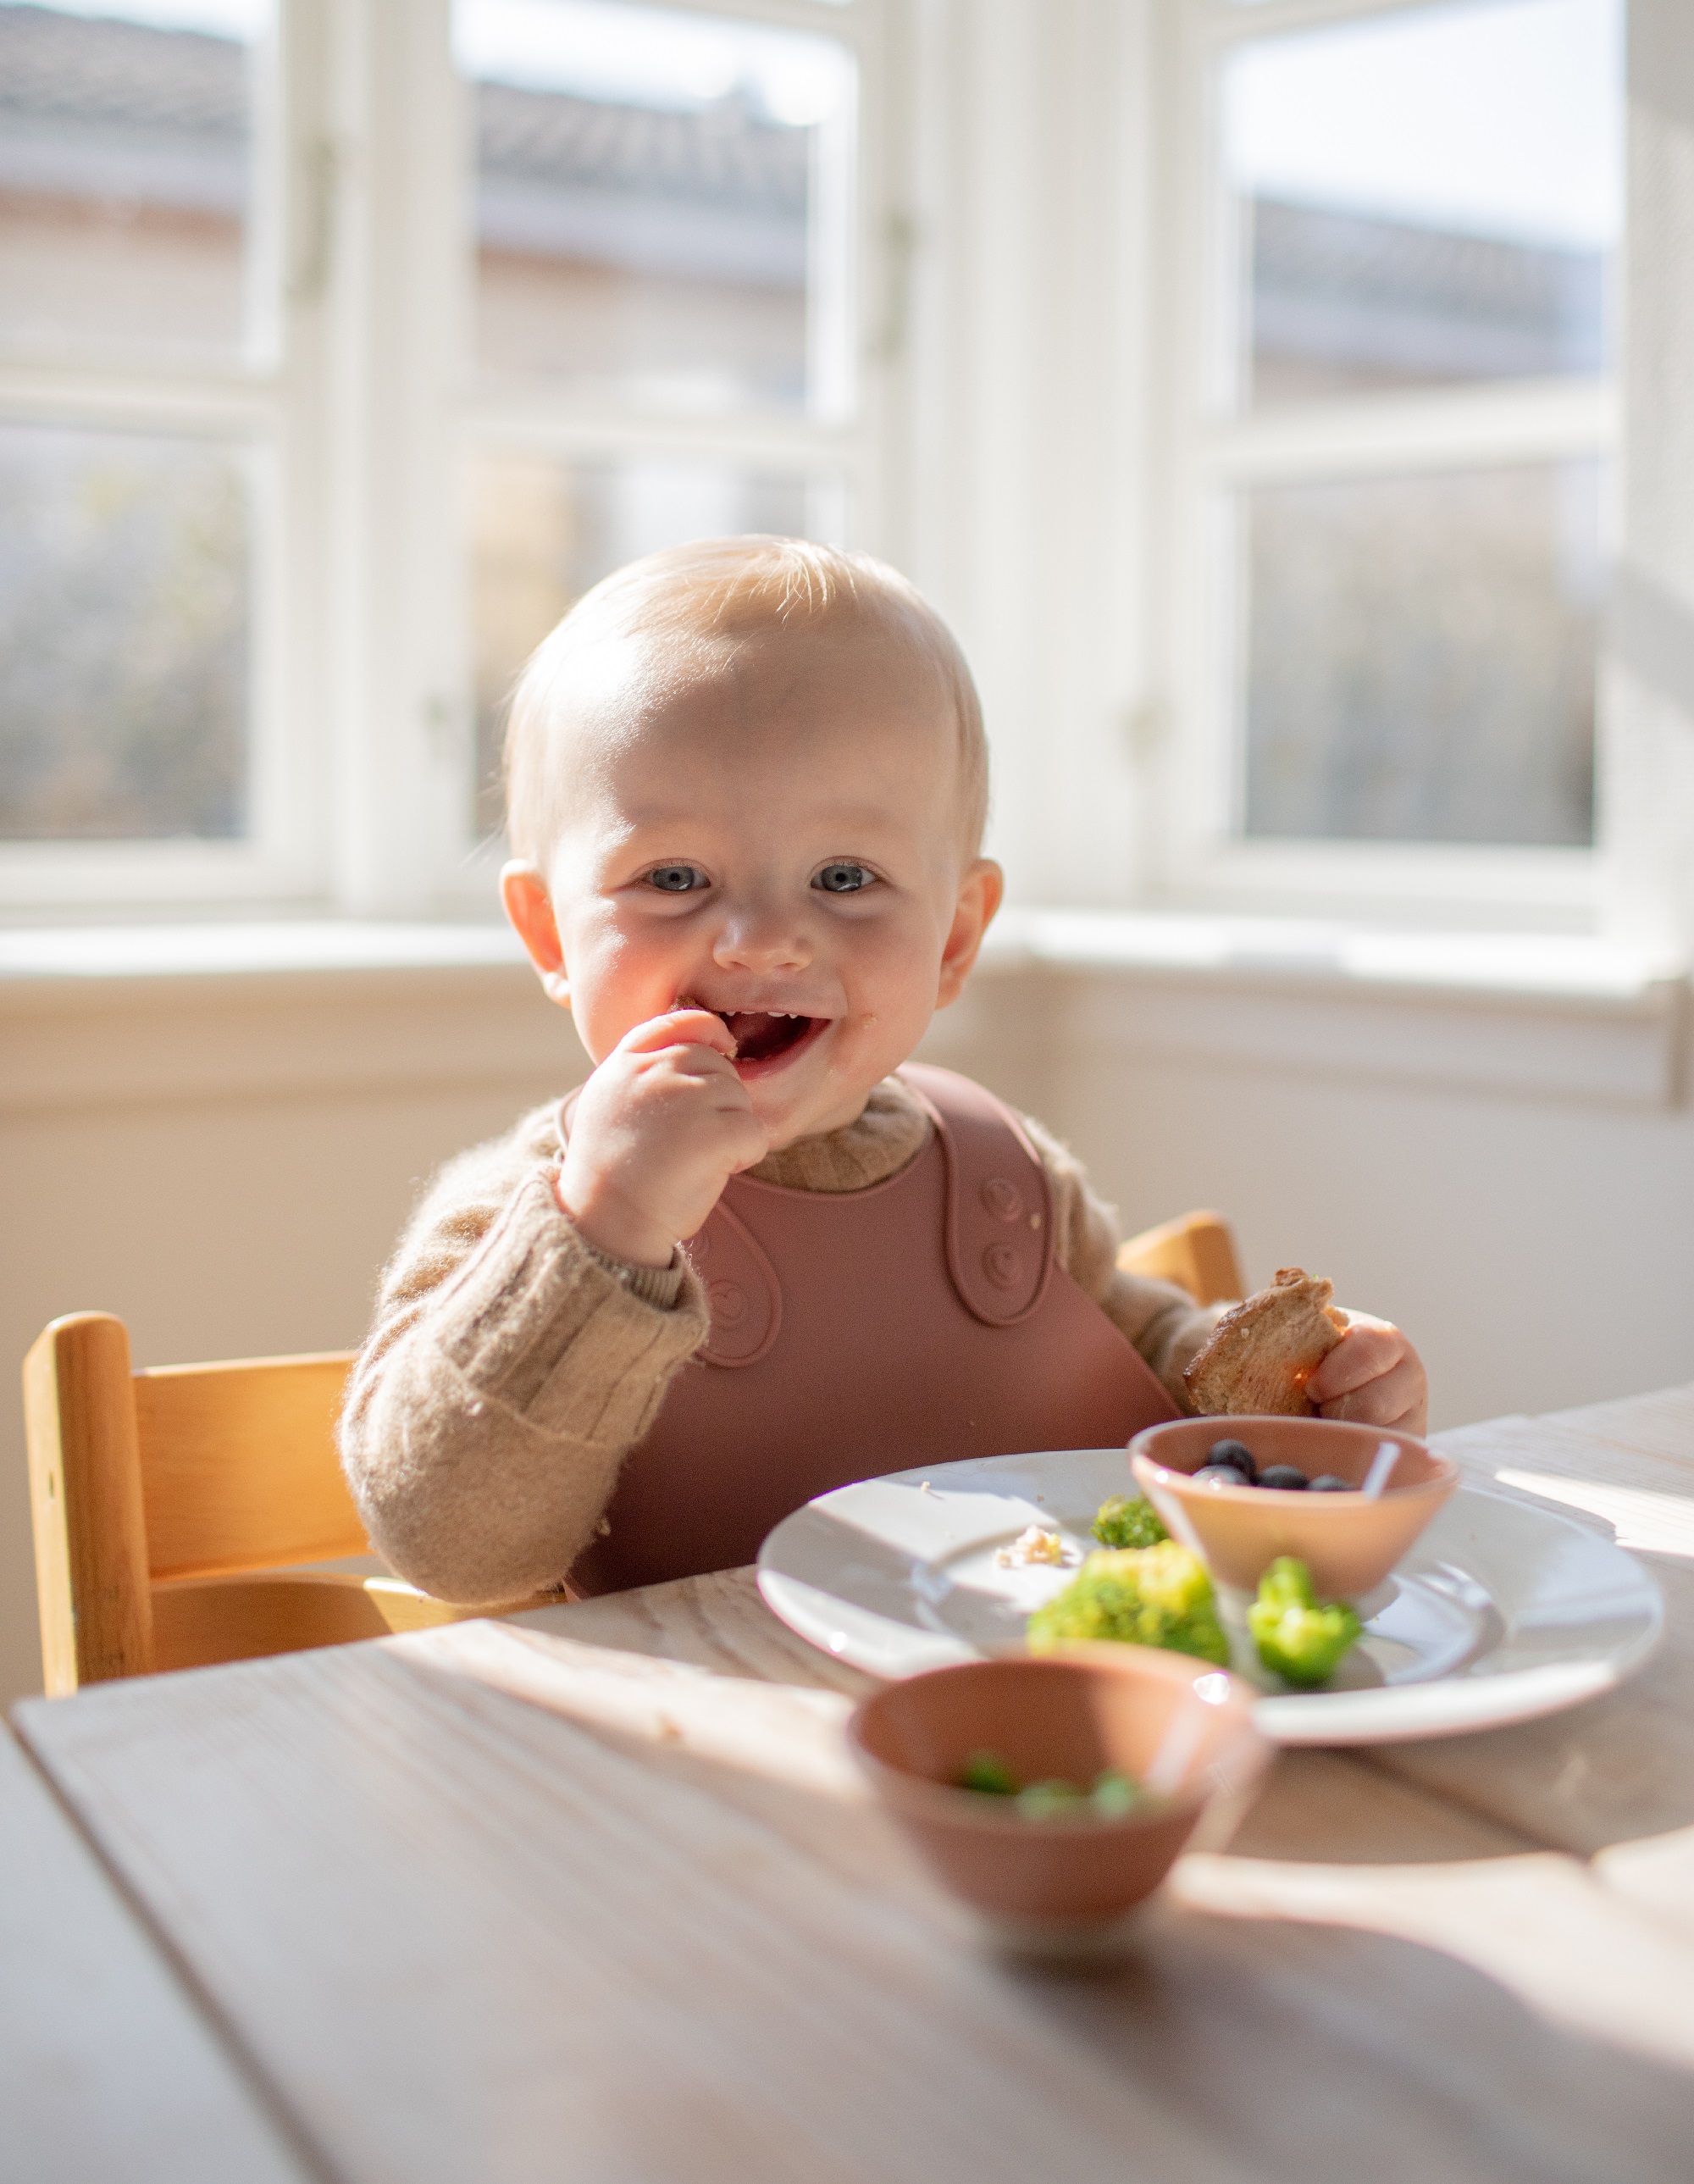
<point x="773" y="833"/>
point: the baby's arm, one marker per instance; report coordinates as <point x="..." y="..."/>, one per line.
<point x="510" y="1368"/>
<point x="534" y="1314"/>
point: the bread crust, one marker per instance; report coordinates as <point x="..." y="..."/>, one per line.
<point x="1261" y="1353"/>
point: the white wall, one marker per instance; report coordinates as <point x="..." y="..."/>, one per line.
<point x="250" y="1215"/>
<point x="1513" y="1184"/>
<point x="225" y="1161"/>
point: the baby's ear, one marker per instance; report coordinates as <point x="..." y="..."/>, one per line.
<point x="523" y="890"/>
<point x="979" y="897"/>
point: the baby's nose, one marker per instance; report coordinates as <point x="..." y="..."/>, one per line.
<point x="755" y="937"/>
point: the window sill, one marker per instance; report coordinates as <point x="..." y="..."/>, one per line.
<point x="1534" y="967"/>
<point x="292" y="1005"/>
<point x="1517" y="1013"/>
<point x="110" y="1017"/>
<point x="74" y="956"/>
<point x="1504" y="966"/>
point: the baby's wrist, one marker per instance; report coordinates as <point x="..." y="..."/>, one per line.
<point x="659" y="1286"/>
<point x="614" y="1231"/>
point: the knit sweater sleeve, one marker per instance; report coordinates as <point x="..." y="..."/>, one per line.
<point x="1161" y="1321"/>
<point x="508" y="1369"/>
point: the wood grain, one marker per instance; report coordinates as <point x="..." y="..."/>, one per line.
<point x="1333" y="1840"/>
<point x="633" y="1917"/>
<point x="593" y="1892"/>
<point x="526" y="1946"/>
<point x="172" y="1508"/>
<point x="203" y="1620"/>
<point x="1658" y="1424"/>
<point x="1622" y="1767"/>
<point x="717" y="1621"/>
<point x="107" y="2069"/>
<point x="239" y="1465"/>
<point x="1197" y="1252"/>
<point x="86" y="1503"/>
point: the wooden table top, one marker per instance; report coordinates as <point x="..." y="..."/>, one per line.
<point x="108" y="2069"/>
<point x="594" y="1894"/>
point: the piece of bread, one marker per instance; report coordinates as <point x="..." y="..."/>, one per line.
<point x="1261" y="1353"/>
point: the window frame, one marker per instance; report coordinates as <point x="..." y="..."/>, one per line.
<point x="360" y="400"/>
<point x="844" y="435"/>
<point x="1200" y="857"/>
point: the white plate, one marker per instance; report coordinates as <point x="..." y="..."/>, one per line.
<point x="1502" y="1610"/>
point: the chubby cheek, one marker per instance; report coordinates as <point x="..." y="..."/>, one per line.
<point x="616" y="982"/>
<point x="890" y="981"/>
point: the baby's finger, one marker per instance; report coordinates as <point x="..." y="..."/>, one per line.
<point x="681" y="1027"/>
<point x="1365" y="1352"/>
<point x="1394" y="1398"/>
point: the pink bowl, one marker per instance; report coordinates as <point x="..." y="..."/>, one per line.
<point x="1066" y="1716"/>
<point x="1348" y="1543"/>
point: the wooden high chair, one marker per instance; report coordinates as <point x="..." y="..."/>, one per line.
<point x="170" y="1506"/>
<point x="1196" y="1252"/>
<point x="173" y="1506"/>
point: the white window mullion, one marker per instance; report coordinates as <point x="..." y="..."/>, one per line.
<point x="1647" y="777"/>
<point x="1490" y="425"/>
<point x="399" y="763"/>
<point x="535" y="419"/>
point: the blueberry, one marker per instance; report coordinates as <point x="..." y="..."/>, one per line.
<point x="1328" y="1484"/>
<point x="1221" y="1474"/>
<point x="1236" y="1453"/>
<point x="1282" y="1478"/>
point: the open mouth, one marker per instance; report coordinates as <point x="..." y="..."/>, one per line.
<point x="761" y="1037"/>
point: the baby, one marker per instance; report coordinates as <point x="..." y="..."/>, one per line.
<point x="755" y="1255"/>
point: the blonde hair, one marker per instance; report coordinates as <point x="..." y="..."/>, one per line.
<point x="732" y="588"/>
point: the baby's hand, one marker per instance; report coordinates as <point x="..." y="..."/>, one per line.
<point x="658" y="1130"/>
<point x="1373" y="1377"/>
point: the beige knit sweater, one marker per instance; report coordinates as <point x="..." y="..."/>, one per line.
<point x="511" y="1366"/>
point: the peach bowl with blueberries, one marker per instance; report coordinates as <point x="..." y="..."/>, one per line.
<point x="1348" y="1501"/>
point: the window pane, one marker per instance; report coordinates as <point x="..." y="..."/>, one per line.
<point x="1421" y="657"/>
<point x="124" y="584"/>
<point x="663" y="203"/>
<point x="543" y="532"/>
<point x="1426" y="196"/>
<point x="125" y="133"/>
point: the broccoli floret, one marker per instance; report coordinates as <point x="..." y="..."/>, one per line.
<point x="988" y="1774"/>
<point x="1157" y="1595"/>
<point x="1304" y="1641"/>
<point x="1128" y="1520"/>
<point x="1052" y="1800"/>
<point x="1115" y="1793"/>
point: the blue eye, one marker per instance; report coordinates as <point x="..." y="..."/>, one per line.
<point x="842" y="879"/>
<point x="675" y="879"/>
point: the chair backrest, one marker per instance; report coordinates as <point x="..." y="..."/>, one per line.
<point x="151" y="1490"/>
<point x="162" y="1499"/>
<point x="1196" y="1252"/>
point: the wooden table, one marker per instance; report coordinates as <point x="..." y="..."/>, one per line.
<point x="107" y="2068"/>
<point x="593" y="1895"/>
